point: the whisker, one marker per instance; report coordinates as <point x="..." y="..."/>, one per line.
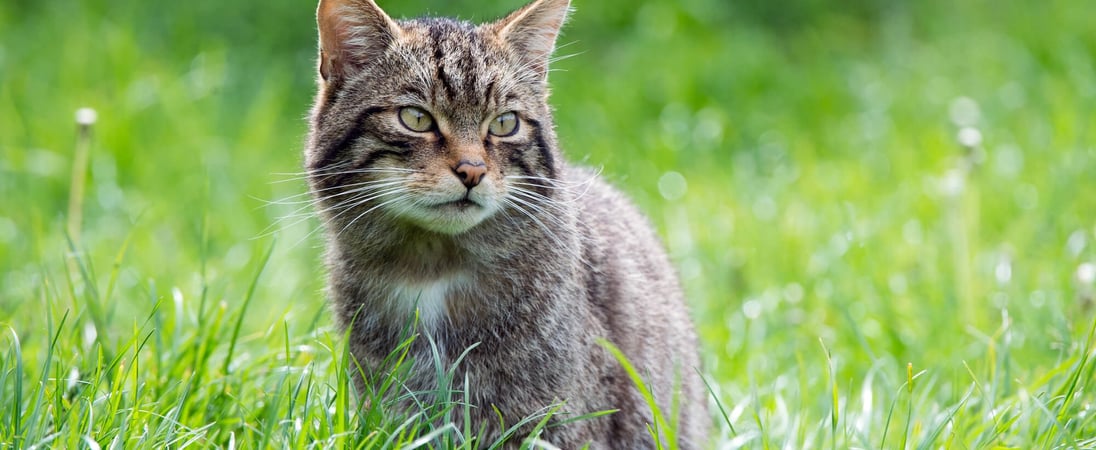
<point x="517" y="183"/>
<point x="585" y="186"/>
<point x="283" y="201"/>
<point x="552" y="181"/>
<point x="386" y="202"/>
<point x="299" y="212"/>
<point x="307" y="171"/>
<point x="512" y="202"/>
<point x="350" y="203"/>
<point x="549" y="216"/>
<point x="534" y="197"/>
<point x="295" y="177"/>
<point x="585" y="190"/>
<point x="556" y="59"/>
<point x="533" y="206"/>
<point x="568" y="44"/>
<point x="313" y="172"/>
<point x="344" y="205"/>
<point x="348" y="208"/>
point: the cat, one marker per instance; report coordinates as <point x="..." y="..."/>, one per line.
<point x="444" y="195"/>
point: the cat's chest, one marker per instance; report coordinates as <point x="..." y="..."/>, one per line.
<point x="434" y="299"/>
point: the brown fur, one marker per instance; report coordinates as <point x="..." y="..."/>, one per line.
<point x="539" y="260"/>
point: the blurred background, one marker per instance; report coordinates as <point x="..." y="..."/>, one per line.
<point x="906" y="181"/>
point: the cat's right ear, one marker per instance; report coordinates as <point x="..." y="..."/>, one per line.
<point x="531" y="32"/>
<point x="351" y="32"/>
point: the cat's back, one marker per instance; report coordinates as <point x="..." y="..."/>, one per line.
<point x="633" y="288"/>
<point x="619" y="241"/>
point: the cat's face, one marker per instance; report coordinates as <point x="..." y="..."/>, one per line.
<point x="432" y="122"/>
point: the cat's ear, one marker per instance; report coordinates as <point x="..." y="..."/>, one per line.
<point x="351" y="32"/>
<point x="531" y="31"/>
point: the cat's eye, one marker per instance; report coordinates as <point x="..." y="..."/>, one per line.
<point x="506" y="124"/>
<point x="415" y="119"/>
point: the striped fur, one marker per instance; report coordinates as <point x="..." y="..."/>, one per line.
<point x="532" y="265"/>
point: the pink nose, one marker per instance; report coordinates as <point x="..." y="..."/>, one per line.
<point x="470" y="172"/>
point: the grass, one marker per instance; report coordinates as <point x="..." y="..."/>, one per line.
<point x="804" y="164"/>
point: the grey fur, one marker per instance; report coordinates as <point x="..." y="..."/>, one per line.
<point x="534" y="270"/>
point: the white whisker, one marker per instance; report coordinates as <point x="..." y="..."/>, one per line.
<point x="515" y="204"/>
<point x="547" y="202"/>
<point x="369" y="184"/>
<point x="335" y="166"/>
<point x="344" y="205"/>
<point x="348" y="208"/>
<point x="386" y="202"/>
<point x="300" y="212"/>
<point x="296" y="177"/>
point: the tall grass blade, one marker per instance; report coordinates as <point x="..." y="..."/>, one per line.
<point x="660" y="423"/>
<point x="243" y="309"/>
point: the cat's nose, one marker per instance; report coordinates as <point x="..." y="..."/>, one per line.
<point x="470" y="172"/>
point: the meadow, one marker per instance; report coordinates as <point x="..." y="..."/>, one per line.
<point x="883" y="212"/>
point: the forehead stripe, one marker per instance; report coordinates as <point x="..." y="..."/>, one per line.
<point x="439" y="62"/>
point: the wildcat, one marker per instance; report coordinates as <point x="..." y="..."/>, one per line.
<point x="443" y="193"/>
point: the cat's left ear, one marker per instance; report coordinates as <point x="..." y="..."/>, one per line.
<point x="351" y="32"/>
<point x="531" y="32"/>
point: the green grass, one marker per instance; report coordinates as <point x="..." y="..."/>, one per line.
<point x="859" y="278"/>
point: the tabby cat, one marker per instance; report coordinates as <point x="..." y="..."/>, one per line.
<point x="444" y="195"/>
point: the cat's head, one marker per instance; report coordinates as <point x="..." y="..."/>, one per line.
<point x="432" y="122"/>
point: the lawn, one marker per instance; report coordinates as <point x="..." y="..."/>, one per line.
<point x="884" y="214"/>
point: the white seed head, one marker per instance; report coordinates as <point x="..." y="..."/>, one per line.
<point x="90" y="333"/>
<point x="73" y="378"/>
<point x="953" y="183"/>
<point x="86" y="116"/>
<point x="964" y="111"/>
<point x="970" y="137"/>
<point x="1086" y="273"/>
<point x="1003" y="270"/>
<point x="751" y="309"/>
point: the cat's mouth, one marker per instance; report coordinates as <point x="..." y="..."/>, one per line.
<point x="449" y="217"/>
<point x="462" y="204"/>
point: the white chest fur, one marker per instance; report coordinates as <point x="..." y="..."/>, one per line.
<point x="430" y="297"/>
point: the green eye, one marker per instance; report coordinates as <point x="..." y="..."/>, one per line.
<point x="506" y="124"/>
<point x="415" y="119"/>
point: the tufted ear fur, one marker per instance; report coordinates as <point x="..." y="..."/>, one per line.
<point x="531" y="32"/>
<point x="351" y="32"/>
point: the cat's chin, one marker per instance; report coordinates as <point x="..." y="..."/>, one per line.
<point x="450" y="218"/>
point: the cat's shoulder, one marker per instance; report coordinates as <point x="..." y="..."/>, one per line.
<point x="601" y="202"/>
